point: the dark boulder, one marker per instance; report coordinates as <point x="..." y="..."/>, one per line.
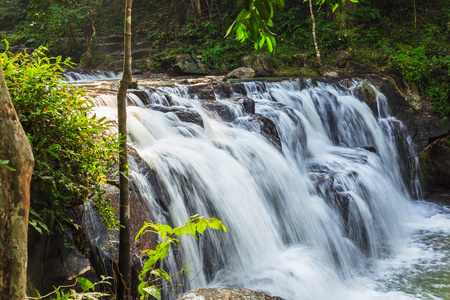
<point x="204" y="91"/>
<point x="220" y="110"/>
<point x="102" y="243"/>
<point x="260" y="63"/>
<point x="435" y="164"/>
<point x="247" y="103"/>
<point x="184" y="114"/>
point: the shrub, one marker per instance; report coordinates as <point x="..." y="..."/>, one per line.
<point x="72" y="153"/>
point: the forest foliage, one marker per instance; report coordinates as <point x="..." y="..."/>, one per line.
<point x="71" y="147"/>
<point x="405" y="39"/>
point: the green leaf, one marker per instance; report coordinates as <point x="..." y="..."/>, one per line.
<point x="262" y="10"/>
<point x="4" y="164"/>
<point x="153" y="290"/>
<point x="85" y="284"/>
<point x="160" y="273"/>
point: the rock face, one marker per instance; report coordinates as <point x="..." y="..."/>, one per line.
<point x="226" y="294"/>
<point x="242" y="73"/>
<point x="103" y="244"/>
<point x="435" y="164"/>
<point x="427" y="131"/>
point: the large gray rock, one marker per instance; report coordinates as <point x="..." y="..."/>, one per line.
<point x="242" y="73"/>
<point x="226" y="294"/>
<point x="191" y="64"/>
<point x="258" y="62"/>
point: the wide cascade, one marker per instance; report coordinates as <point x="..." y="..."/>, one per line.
<point x="311" y="185"/>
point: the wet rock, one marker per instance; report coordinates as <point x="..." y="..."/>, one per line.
<point x="103" y="244"/>
<point x="435" y="164"/>
<point x="54" y="260"/>
<point x="242" y="73"/>
<point x="225" y="294"/>
<point x="264" y="126"/>
<point x="204" y="91"/>
<point x="372" y="149"/>
<point x="367" y="95"/>
<point x="184" y="114"/>
<point x="220" y="110"/>
<point x="247" y="103"/>
<point x="230" y="90"/>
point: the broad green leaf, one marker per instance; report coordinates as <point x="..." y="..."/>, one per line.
<point x="161" y="274"/>
<point x="154" y="291"/>
<point x="85" y="284"/>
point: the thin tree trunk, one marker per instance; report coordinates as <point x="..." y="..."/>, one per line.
<point x="209" y="9"/>
<point x="319" y="59"/>
<point x="124" y="235"/>
<point x="415" y="15"/>
<point x="14" y="199"/>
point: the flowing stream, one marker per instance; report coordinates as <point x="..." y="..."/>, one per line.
<point x="325" y="212"/>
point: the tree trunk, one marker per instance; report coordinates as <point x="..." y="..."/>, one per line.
<point x="124" y="235"/>
<point x="14" y="199"/>
<point x="319" y="59"/>
<point x="415" y="15"/>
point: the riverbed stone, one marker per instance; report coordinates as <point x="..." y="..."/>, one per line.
<point x="226" y="294"/>
<point x="242" y="73"/>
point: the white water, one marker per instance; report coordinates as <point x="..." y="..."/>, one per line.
<point x="287" y="235"/>
<point x="79" y="77"/>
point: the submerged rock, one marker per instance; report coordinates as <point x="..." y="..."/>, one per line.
<point x="184" y="114"/>
<point x="262" y="125"/>
<point x="219" y="109"/>
<point x="226" y="294"/>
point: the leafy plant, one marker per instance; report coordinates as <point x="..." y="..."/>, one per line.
<point x="71" y="149"/>
<point x="87" y="287"/>
<point x="150" y="275"/>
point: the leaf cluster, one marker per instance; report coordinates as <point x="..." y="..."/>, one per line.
<point x="71" y="149"/>
<point x="253" y="22"/>
<point x="151" y="275"/>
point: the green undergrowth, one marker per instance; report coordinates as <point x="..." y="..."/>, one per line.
<point x="72" y="151"/>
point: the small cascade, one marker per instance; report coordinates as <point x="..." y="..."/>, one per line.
<point x="79" y="77"/>
<point x="311" y="185"/>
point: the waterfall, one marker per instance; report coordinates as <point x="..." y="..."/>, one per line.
<point x="309" y="213"/>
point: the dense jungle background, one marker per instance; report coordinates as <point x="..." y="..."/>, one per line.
<point x="405" y="39"/>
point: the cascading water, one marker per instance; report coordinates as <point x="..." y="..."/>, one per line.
<point x="315" y="217"/>
<point x="78" y="77"/>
